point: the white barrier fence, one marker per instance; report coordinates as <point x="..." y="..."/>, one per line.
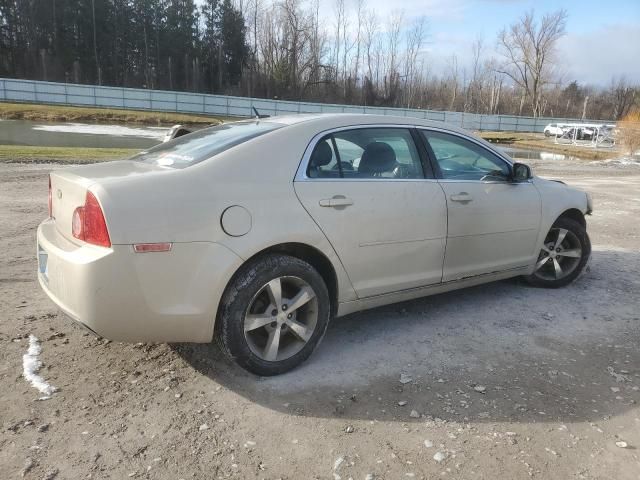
<point x="32" y="91"/>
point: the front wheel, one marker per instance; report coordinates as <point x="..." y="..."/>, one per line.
<point x="565" y="252"/>
<point x="273" y="314"/>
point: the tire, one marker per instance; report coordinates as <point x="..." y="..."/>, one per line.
<point x="251" y="302"/>
<point x="575" y="241"/>
<point x="547" y="133"/>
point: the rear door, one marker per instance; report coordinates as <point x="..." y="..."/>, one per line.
<point x="493" y="222"/>
<point x="367" y="190"/>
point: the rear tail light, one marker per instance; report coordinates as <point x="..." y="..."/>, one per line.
<point x="88" y="223"/>
<point x="50" y="199"/>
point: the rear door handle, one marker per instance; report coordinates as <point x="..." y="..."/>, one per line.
<point x="336" y="201"/>
<point x="462" y="197"/>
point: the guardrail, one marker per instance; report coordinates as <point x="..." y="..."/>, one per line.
<point x="32" y="91"/>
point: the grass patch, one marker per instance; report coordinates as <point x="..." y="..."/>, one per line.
<point x="62" y="155"/>
<point x="61" y="113"/>
<point x="584" y="153"/>
<point x="500" y="140"/>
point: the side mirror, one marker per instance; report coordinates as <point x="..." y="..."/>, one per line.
<point x="520" y="172"/>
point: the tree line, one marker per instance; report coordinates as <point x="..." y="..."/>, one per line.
<point x="164" y="44"/>
<point x="289" y="49"/>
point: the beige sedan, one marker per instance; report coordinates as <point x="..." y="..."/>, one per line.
<point x="256" y="233"/>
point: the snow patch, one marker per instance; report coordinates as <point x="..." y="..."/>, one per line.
<point x="156" y="133"/>
<point x="440" y="457"/>
<point x="30" y="366"/>
<point x="622" y="161"/>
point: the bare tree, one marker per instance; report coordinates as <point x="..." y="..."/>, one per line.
<point x="496" y="80"/>
<point x="413" y="44"/>
<point x="360" y="5"/>
<point x="296" y="34"/>
<point x="340" y="15"/>
<point x="473" y="97"/>
<point x="370" y="33"/>
<point x="623" y="97"/>
<point x="528" y="47"/>
<point x="252" y="19"/>
<point x="347" y="46"/>
<point x="454" y="74"/>
<point x="370" y="36"/>
<point x="391" y="60"/>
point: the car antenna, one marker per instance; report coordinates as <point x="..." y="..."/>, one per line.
<point x="258" y="116"/>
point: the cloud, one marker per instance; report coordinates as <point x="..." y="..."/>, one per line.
<point x="595" y="57"/>
<point x="432" y="9"/>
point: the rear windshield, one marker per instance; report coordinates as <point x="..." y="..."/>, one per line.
<point x="203" y="144"/>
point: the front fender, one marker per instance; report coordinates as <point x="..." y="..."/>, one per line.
<point x="557" y="199"/>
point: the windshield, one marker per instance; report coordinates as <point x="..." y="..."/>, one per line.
<point x="203" y="144"/>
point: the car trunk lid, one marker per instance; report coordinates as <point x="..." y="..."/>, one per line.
<point x="69" y="188"/>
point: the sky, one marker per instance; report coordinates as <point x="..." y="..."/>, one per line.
<point x="602" y="41"/>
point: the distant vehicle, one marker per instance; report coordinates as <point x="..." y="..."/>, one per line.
<point x="256" y="233"/>
<point x="553" y="129"/>
<point x="175" y="132"/>
<point x="578" y="133"/>
<point x="180" y="130"/>
<point x="599" y="134"/>
<point x="586" y="133"/>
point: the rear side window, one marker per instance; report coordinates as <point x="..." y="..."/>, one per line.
<point x="371" y="153"/>
<point x="323" y="162"/>
<point x="203" y="144"/>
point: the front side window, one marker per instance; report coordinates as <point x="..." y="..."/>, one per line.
<point x="460" y="159"/>
<point x="203" y="144"/>
<point x="366" y="153"/>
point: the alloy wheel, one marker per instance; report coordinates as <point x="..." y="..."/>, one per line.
<point x="560" y="255"/>
<point x="281" y="318"/>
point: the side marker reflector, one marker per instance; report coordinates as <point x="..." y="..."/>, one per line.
<point x="152" y="247"/>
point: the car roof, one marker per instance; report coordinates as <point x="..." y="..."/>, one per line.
<point x="335" y="120"/>
<point x="321" y="122"/>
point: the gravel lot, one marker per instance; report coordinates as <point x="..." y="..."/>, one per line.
<point x="501" y="380"/>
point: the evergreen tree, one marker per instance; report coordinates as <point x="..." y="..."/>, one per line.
<point x="235" y="50"/>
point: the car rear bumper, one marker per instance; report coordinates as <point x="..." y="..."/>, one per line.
<point x="136" y="297"/>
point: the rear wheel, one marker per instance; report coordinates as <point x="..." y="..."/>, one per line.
<point x="565" y="252"/>
<point x="273" y="314"/>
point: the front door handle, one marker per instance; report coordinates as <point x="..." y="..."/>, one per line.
<point x="462" y="197"/>
<point x="336" y="201"/>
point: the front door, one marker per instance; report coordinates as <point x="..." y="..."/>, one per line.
<point x="366" y="189"/>
<point x="493" y="222"/>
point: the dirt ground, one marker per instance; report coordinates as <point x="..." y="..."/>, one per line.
<point x="506" y="381"/>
